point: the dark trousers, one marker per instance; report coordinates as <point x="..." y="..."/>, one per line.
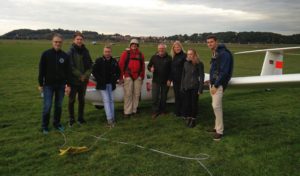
<point x="159" y="97"/>
<point x="49" y="91"/>
<point x="178" y="98"/>
<point x="190" y="105"/>
<point x="78" y="90"/>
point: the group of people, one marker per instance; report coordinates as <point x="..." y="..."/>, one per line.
<point x="68" y="73"/>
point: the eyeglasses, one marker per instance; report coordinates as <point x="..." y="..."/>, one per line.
<point x="57" y="41"/>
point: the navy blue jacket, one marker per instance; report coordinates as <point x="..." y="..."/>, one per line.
<point x="221" y="67"/>
<point x="54" y="68"/>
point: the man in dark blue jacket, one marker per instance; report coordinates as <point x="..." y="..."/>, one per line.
<point x="54" y="71"/>
<point x="220" y="74"/>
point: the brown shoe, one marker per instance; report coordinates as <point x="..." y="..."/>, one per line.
<point x="217" y="136"/>
<point x="211" y="130"/>
<point x="127" y="116"/>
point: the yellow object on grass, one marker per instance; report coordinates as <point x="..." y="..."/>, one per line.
<point x="73" y="150"/>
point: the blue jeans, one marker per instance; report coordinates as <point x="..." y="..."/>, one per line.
<point x="108" y="102"/>
<point x="49" y="91"/>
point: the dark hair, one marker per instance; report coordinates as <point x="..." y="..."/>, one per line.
<point x="108" y="47"/>
<point x="77" y="33"/>
<point x="57" y="35"/>
<point x="212" y="37"/>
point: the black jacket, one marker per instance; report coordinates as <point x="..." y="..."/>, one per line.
<point x="177" y="66"/>
<point x="54" y="68"/>
<point x="100" y="72"/>
<point x="192" y="76"/>
<point x="162" y="68"/>
<point x="87" y="63"/>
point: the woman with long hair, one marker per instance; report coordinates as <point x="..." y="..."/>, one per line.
<point x="192" y="86"/>
<point x="178" y="59"/>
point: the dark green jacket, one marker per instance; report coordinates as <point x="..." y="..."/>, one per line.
<point x="81" y="64"/>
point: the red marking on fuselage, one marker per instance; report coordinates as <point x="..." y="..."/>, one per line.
<point x="279" y="65"/>
<point x="91" y="84"/>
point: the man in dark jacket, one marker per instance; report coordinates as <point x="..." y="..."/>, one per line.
<point x="160" y="66"/>
<point x="106" y="71"/>
<point x="54" y="69"/>
<point x="220" y="74"/>
<point x="81" y="66"/>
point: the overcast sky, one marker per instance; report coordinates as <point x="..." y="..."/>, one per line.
<point x="152" y="17"/>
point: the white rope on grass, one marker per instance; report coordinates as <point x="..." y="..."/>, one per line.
<point x="199" y="158"/>
<point x="65" y="139"/>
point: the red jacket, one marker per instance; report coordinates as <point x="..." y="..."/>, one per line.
<point x="133" y="65"/>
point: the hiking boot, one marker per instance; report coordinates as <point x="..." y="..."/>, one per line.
<point x="135" y="114"/>
<point x="217" y="137"/>
<point x="154" y="115"/>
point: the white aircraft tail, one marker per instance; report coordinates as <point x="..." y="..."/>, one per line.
<point x="273" y="63"/>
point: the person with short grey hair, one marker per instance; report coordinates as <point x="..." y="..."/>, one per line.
<point x="54" y="76"/>
<point x="160" y="66"/>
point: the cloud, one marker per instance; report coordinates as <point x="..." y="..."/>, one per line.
<point x="151" y="17"/>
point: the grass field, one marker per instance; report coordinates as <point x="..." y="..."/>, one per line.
<point x="262" y="128"/>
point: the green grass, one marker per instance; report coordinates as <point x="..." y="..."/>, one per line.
<point x="262" y="128"/>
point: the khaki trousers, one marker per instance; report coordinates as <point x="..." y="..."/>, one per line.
<point x="132" y="93"/>
<point x="218" y="109"/>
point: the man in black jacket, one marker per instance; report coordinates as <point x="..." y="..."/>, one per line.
<point x="160" y="66"/>
<point x="106" y="71"/>
<point x="54" y="69"/>
<point x="81" y="68"/>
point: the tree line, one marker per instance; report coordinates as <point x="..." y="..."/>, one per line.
<point x="226" y="37"/>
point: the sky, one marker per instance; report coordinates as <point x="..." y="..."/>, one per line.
<point x="152" y="17"/>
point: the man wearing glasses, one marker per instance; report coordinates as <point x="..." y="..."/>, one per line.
<point x="54" y="71"/>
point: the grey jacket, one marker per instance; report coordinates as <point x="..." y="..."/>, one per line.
<point x="192" y="76"/>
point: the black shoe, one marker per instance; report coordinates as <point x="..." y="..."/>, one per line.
<point x="211" y="130"/>
<point x="71" y="122"/>
<point x="192" y="123"/>
<point x="217" y="137"/>
<point x="60" y="128"/>
<point x="45" y="131"/>
<point x="154" y="115"/>
<point x="183" y="118"/>
<point x="81" y="122"/>
<point x="187" y="120"/>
